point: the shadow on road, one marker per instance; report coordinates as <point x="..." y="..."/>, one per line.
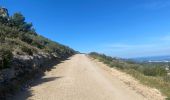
<point x="43" y="80"/>
<point x="25" y="92"/>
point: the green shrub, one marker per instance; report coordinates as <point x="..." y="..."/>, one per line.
<point x="119" y="65"/>
<point x="154" y="71"/>
<point x="149" y="71"/>
<point x="5" y="57"/>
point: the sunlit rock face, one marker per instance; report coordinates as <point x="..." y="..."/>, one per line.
<point x="3" y="12"/>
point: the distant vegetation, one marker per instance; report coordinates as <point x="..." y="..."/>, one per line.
<point x="19" y="37"/>
<point x="151" y="74"/>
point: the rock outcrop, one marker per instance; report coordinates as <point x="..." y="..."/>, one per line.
<point x="4" y="12"/>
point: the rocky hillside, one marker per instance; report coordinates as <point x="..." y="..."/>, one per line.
<point x="23" y="52"/>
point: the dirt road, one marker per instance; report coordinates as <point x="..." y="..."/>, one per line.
<point x="79" y="78"/>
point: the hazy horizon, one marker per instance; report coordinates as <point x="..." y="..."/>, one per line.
<point x="124" y="28"/>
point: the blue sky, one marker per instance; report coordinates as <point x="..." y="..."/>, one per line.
<point x="122" y="28"/>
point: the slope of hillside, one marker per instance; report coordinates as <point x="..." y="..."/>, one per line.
<point x="23" y="52"/>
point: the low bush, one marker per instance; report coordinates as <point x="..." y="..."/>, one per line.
<point x="5" y="57"/>
<point x="27" y="50"/>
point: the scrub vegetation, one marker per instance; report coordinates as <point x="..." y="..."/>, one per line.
<point x="151" y="74"/>
<point x="19" y="37"/>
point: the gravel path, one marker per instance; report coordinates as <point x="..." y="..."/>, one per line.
<point x="79" y="78"/>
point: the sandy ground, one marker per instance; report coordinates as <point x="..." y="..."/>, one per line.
<point x="81" y="78"/>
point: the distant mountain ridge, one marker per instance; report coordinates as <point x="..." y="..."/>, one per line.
<point x="153" y="59"/>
